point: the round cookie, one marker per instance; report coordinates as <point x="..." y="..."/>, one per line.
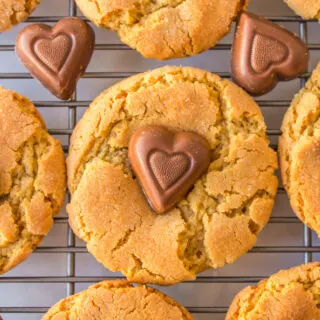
<point x="165" y="29"/>
<point x="300" y="153"/>
<point x="12" y="12"/>
<point x="216" y="222"/>
<point x="289" y="294"/>
<point x="32" y="179"/>
<point x="308" y="9"/>
<point x="110" y="300"/>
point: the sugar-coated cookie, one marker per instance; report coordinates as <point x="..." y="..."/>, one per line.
<point x="12" y="12"/>
<point x="216" y="222"/>
<point x="289" y="294"/>
<point x="308" y="9"/>
<point x="300" y="153"/>
<point x="32" y="179"/>
<point x="167" y="28"/>
<point x="110" y="300"/>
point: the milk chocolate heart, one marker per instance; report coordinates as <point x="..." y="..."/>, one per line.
<point x="167" y="164"/>
<point x="57" y="56"/>
<point x="264" y="53"/>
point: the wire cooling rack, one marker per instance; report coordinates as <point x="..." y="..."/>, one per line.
<point x="62" y="266"/>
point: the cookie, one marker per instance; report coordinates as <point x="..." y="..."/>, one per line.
<point x="12" y="12"/>
<point x="216" y="222"/>
<point x="289" y="294"/>
<point x="299" y="152"/>
<point x="110" y="300"/>
<point x="32" y="179"/>
<point x="165" y="29"/>
<point x="308" y="9"/>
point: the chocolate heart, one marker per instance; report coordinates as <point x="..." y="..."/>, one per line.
<point x="57" y="56"/>
<point x="264" y="53"/>
<point x="167" y="164"/>
<point x="161" y="164"/>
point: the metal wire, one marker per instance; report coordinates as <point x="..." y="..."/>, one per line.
<point x="71" y="249"/>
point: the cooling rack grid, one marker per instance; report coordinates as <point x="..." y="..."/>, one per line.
<point x="62" y="266"/>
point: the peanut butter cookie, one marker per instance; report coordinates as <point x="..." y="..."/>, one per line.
<point x="216" y="222"/>
<point x="300" y="153"/>
<point x="165" y="29"/>
<point x="308" y="9"/>
<point x="289" y="294"/>
<point x="12" y="12"/>
<point x="32" y="179"/>
<point x="110" y="300"/>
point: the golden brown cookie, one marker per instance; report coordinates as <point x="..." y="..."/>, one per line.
<point x="300" y="152"/>
<point x="291" y="294"/>
<point x="216" y="222"/>
<point x="110" y="300"/>
<point x="165" y="29"/>
<point x="12" y="12"/>
<point x="32" y="179"/>
<point x="308" y="9"/>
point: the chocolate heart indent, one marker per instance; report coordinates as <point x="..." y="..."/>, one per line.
<point x="166" y="164"/>
<point x="53" y="53"/>
<point x="162" y="165"/>
<point x="264" y="53"/>
<point x="57" y="56"/>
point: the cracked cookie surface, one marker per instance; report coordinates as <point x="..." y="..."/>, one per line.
<point x="299" y="150"/>
<point x="12" y="12"/>
<point x="164" y="29"/>
<point x="217" y="221"/>
<point x="308" y="9"/>
<point x="111" y="300"/>
<point x="32" y="179"/>
<point x="289" y="294"/>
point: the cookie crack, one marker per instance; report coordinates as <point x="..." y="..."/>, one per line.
<point x="25" y="174"/>
<point x="139" y="267"/>
<point x="122" y="241"/>
<point x="194" y="255"/>
<point x="186" y="32"/>
<point x="96" y="3"/>
<point x="138" y="14"/>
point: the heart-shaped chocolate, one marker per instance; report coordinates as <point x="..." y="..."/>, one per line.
<point x="167" y="164"/>
<point x="57" y="56"/>
<point x="53" y="53"/>
<point x="264" y="53"/>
